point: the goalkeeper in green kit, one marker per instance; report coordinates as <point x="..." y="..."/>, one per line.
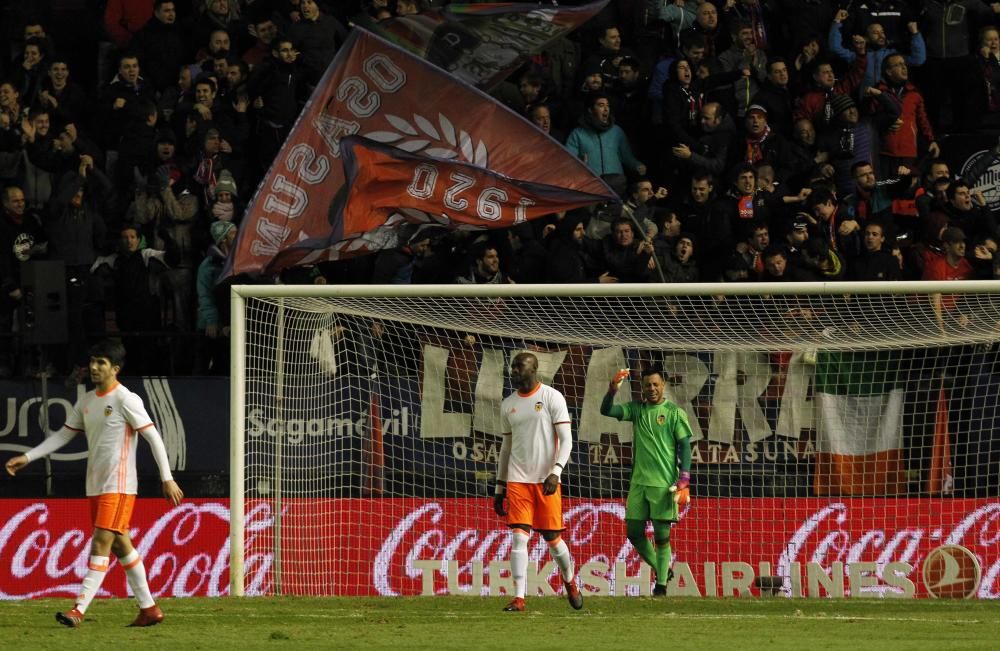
<point x="661" y="468"/>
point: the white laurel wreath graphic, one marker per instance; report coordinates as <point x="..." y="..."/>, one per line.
<point x="443" y="143"/>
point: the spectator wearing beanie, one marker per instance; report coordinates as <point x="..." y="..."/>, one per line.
<point x="591" y="83"/>
<point x="211" y="322"/>
<point x="224" y="207"/>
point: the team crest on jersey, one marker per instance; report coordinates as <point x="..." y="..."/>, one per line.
<point x="538" y="406"/>
<point x="107" y="410"/>
<point x="661" y="419"/>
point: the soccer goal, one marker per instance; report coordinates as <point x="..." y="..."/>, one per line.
<point x="842" y="433"/>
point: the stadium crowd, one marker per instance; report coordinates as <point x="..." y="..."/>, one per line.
<point x="763" y="140"/>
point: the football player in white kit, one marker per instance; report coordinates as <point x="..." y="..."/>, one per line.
<point x="112" y="418"/>
<point x="536" y="444"/>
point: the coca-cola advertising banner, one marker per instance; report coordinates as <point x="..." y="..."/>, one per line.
<point x="45" y="548"/>
<point x="722" y="547"/>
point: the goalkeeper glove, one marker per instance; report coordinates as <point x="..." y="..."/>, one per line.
<point x="681" y="489"/>
<point x="617" y="380"/>
<point x="498" y="499"/>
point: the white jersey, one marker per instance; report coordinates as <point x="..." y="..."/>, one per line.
<point x="112" y="422"/>
<point x="531" y="421"/>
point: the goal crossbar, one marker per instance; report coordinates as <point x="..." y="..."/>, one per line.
<point x="623" y="289"/>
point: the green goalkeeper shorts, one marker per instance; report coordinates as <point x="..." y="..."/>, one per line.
<point x="650" y="503"/>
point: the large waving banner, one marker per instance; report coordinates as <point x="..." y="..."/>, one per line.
<point x="383" y="181"/>
<point x="377" y="90"/>
<point x="479" y="43"/>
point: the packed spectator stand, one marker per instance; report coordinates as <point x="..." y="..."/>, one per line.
<point x="772" y="140"/>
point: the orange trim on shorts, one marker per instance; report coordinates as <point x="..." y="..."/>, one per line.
<point x="527" y="505"/>
<point x="111" y="511"/>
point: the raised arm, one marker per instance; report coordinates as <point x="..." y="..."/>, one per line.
<point x="835" y="41"/>
<point x="608" y="408"/>
<point x="918" y="47"/>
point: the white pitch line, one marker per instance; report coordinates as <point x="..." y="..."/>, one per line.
<point x="592" y="615"/>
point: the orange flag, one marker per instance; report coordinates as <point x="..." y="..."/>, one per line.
<point x="940" y="480"/>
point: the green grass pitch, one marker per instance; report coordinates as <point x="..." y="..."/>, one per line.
<point x="478" y="623"/>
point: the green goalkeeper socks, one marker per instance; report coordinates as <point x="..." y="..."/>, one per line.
<point x="661" y="532"/>
<point x="636" y="531"/>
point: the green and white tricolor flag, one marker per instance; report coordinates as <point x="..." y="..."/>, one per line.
<point x="859" y="408"/>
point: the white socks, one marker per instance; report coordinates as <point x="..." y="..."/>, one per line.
<point x="135" y="572"/>
<point x="560" y="554"/>
<point x="92" y="582"/>
<point x="519" y="560"/>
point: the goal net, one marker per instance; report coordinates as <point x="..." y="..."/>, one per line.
<point x="842" y="434"/>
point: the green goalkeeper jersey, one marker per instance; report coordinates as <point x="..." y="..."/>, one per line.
<point x="656" y="429"/>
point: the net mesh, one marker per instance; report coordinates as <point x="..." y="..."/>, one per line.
<point x="827" y="430"/>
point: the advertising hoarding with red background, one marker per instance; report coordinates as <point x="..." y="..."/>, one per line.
<point x="44" y="544"/>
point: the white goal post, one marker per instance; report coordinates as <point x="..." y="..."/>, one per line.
<point x="842" y="432"/>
